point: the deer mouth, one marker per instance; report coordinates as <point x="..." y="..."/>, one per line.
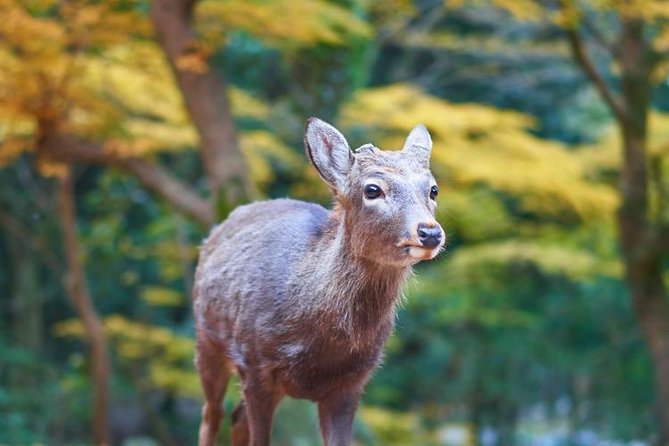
<point x="418" y="251"/>
<point x="423" y="252"/>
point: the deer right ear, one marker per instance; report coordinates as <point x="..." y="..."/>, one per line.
<point x="328" y="151"/>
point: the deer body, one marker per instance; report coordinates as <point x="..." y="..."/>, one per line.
<point x="299" y="300"/>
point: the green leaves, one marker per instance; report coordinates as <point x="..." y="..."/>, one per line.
<point x="165" y="355"/>
<point x="553" y="259"/>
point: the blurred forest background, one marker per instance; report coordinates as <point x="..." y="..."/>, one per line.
<point x="128" y="127"/>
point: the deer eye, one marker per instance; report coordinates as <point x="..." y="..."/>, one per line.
<point x="372" y="191"/>
<point x="434" y="191"/>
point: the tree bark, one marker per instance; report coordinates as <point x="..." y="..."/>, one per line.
<point x="204" y="94"/>
<point x="164" y="184"/>
<point x="642" y="241"/>
<point x="77" y="289"/>
<point x="642" y="252"/>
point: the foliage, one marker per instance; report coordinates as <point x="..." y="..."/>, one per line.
<point x="525" y="314"/>
<point x="394" y="428"/>
<point x="168" y="356"/>
<point x="328" y="23"/>
<point x="474" y="141"/>
<point x="94" y="70"/>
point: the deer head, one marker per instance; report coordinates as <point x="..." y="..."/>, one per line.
<point x="386" y="200"/>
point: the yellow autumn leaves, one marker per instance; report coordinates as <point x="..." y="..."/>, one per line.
<point x="481" y="144"/>
<point x="94" y="70"/>
<point x="170" y="354"/>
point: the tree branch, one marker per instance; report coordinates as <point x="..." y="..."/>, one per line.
<point x="174" y="191"/>
<point x="77" y="290"/>
<point x="67" y="149"/>
<point x="599" y="37"/>
<point x="583" y="59"/>
<point x="204" y="93"/>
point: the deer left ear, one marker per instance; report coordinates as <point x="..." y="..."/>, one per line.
<point x="419" y="145"/>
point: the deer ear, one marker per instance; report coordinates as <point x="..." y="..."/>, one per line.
<point x="419" y="145"/>
<point x="328" y="151"/>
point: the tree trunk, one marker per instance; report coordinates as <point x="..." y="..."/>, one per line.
<point x="641" y="251"/>
<point x="204" y="93"/>
<point x="642" y="241"/>
<point x="26" y="307"/>
<point x="644" y="275"/>
<point x="77" y="289"/>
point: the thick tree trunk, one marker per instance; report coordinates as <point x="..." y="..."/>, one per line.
<point x="642" y="241"/>
<point x="642" y="252"/>
<point x="643" y="270"/>
<point x="644" y="275"/>
<point x="77" y="289"/>
<point x="204" y="93"/>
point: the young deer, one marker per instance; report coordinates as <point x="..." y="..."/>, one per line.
<point x="300" y="300"/>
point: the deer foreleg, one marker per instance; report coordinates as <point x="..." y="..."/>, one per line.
<point x="261" y="400"/>
<point x="336" y="414"/>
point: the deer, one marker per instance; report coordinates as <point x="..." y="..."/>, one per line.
<point x="300" y="300"/>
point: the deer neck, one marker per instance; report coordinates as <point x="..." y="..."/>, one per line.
<point x="355" y="293"/>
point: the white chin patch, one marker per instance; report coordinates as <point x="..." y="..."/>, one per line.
<point x="422" y="253"/>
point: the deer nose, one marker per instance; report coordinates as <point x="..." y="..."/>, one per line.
<point x="429" y="236"/>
